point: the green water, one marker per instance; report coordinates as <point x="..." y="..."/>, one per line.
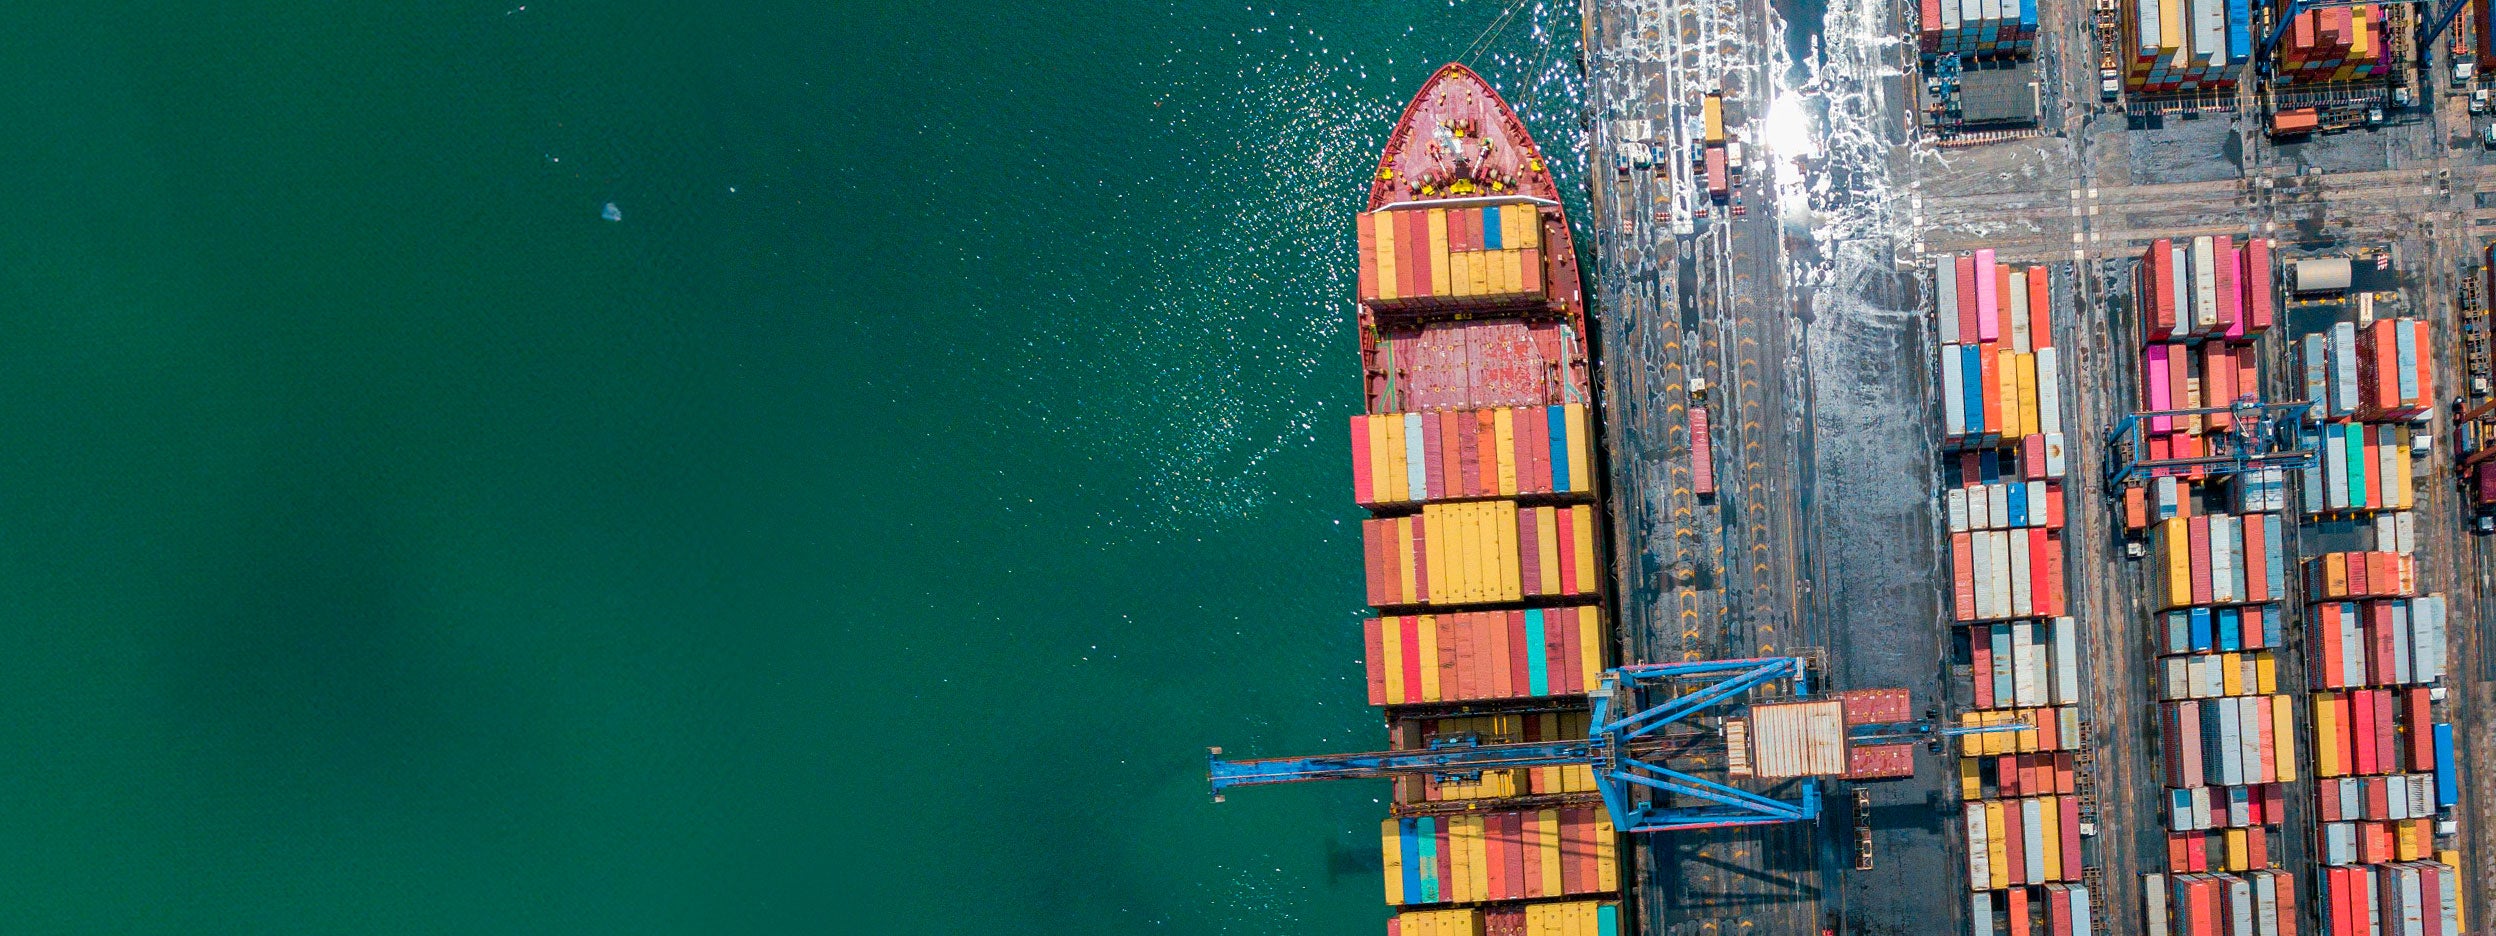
<point x="864" y="534"/>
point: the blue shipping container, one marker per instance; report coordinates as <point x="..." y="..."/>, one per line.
<point x="2447" y="784"/>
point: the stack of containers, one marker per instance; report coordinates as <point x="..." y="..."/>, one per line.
<point x="2256" y="903"/>
<point x="2375" y="648"/>
<point x="2336" y="44"/>
<point x="2001" y="376"/>
<point x="2383" y="371"/>
<point x="1480" y="553"/>
<point x="1417" y="732"/>
<point x="1500" y="855"/>
<point x="2409" y="898"/>
<point x="2185" y="45"/>
<point x="2001" y="382"/>
<point x="1991" y="29"/>
<point x="1434" y="258"/>
<point x="1562" y="918"/>
<point x="2360" y="469"/>
<point x="2203" y="302"/>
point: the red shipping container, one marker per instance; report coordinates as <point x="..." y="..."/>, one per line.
<point x="1362" y="488"/>
<point x="1967" y="297"/>
<point x="2018" y="906"/>
<point x="2054" y="592"/>
<point x="2032" y="457"/>
<point x="2421" y="733"/>
<point x="1433" y="454"/>
<point x="1373" y="641"/>
<point x="1410" y="629"/>
<point x="1486" y="451"/>
<point x="2177" y="861"/>
<point x="2070" y="829"/>
<point x="1564" y="529"/>
<point x="2258" y="284"/>
<point x="2040" y="310"/>
<point x="2015" y="848"/>
<point x="1982" y="651"/>
<point x="2362" y="715"/>
<point x="2257" y="570"/>
<point x="1963" y="575"/>
<point x="2387" y="734"/>
<point x="2199" y="533"/>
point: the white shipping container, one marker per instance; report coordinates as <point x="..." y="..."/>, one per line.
<point x="2023" y="639"/>
<point x="2178" y="683"/>
<point x="1954" y="506"/>
<point x="2066" y="661"/>
<point x="1953" y="388"/>
<point x="2154" y="903"/>
<point x="2406" y="524"/>
<point x="1979" y="508"/>
<point x="2081" y="920"/>
<point x="2202" y="817"/>
<point x="2427" y="617"/>
<point x="2054" y="463"/>
<point x="2404" y="646"/>
<point x="1981" y="544"/>
<point x="2222" y="565"/>
<point x="2018" y="310"/>
<point x="2413" y="923"/>
<point x="2049" y="391"/>
<point x="1979" y="864"/>
<point x="2036" y="504"/>
<point x="2266" y="905"/>
<point x="2032" y="825"/>
<point x="2339" y="843"/>
<point x="2003" y="584"/>
<point x="1946" y="301"/>
<point x="2205" y="286"/>
<point x="2240" y="904"/>
<point x="1980" y="912"/>
<point x="2253" y="721"/>
<point x="1998" y="506"/>
<point x="2451" y="889"/>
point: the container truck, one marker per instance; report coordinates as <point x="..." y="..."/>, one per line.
<point x="1702" y="453"/>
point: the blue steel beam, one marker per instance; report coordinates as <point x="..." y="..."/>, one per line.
<point x="1460" y="759"/>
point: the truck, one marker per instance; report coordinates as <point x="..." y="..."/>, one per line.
<point x="1702" y="453"/>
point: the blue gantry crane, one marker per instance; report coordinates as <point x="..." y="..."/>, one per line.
<point x="1643" y="717"/>
<point x="2260" y="435"/>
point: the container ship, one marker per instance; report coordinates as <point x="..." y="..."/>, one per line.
<point x="1477" y="459"/>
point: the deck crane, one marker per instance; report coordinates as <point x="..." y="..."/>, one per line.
<point x="1644" y="716"/>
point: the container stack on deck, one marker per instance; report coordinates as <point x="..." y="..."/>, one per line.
<point x="2336" y="44"/>
<point x="2375" y="647"/>
<point x="2184" y="45"/>
<point x="2474" y="428"/>
<point x="2002" y="419"/>
<point x="2216" y="578"/>
<point x="1481" y="560"/>
<point x="1990" y="29"/>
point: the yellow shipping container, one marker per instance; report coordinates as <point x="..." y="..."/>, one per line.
<point x="2174" y="537"/>
<point x="1581" y="463"/>
<point x="2231" y="674"/>
<point x="2050" y="826"/>
<point x="1547" y="543"/>
<point x="1391" y="845"/>
<point x="1997" y="850"/>
<point x="1504" y="523"/>
<point x="1607" y="854"/>
<point x="1382" y="233"/>
<point x="1590" y="636"/>
<point x="2170" y="27"/>
<point x="2284" y="737"/>
<point x="1463" y="922"/>
<point x="1589" y="578"/>
<point x="1971" y="780"/>
<point x="2326" y="726"/>
<point x="1391" y="658"/>
<point x="2405" y="493"/>
<point x="2236" y="850"/>
<point x="1427" y="634"/>
<point x="2265" y="673"/>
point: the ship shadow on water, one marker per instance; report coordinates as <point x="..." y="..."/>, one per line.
<point x="1346" y="860"/>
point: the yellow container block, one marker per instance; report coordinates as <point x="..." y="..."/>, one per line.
<point x="2237" y="850"/>
<point x="1485" y="567"/>
<point x="1486" y="273"/>
<point x="2027" y="392"/>
<point x="2231" y="674"/>
<point x="1391" y="844"/>
<point x="2404" y="492"/>
<point x="1581" y="464"/>
<point x="1382" y="483"/>
<point x="1971" y="780"/>
<point x="2175" y="538"/>
<point x="1582" y="521"/>
<point x="2265" y="673"/>
<point x="2006" y="364"/>
<point x="2029" y="736"/>
<point x="1480" y="844"/>
<point x="1463" y="922"/>
<point x="2284" y="736"/>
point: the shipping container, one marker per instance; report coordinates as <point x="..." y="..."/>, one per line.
<point x="1559" y="852"/>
